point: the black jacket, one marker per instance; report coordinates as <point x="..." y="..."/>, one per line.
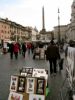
<point x="52" y="52"/>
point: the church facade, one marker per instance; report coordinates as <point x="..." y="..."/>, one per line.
<point x="71" y="26"/>
<point x="67" y="32"/>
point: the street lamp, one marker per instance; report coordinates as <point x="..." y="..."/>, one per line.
<point x="58" y="26"/>
<point x="20" y="38"/>
<point x="16" y="37"/>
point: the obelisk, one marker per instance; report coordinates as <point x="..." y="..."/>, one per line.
<point x="43" y="19"/>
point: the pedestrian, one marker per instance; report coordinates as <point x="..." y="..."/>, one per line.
<point x="19" y="48"/>
<point x="29" y="47"/>
<point x="16" y="50"/>
<point x="32" y="48"/>
<point x="23" y="49"/>
<point x="52" y="54"/>
<point x="11" y="50"/>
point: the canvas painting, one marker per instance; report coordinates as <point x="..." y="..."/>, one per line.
<point x="21" y="84"/>
<point x="29" y="70"/>
<point x="15" y="96"/>
<point x="29" y="75"/>
<point x="36" y="97"/>
<point x="30" y="85"/>
<point x="40" y="86"/>
<point x="23" y="74"/>
<point x="38" y="72"/>
<point x="13" y="83"/>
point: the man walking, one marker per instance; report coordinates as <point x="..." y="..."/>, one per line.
<point x="11" y="50"/>
<point x="23" y="49"/>
<point x="52" y="54"/>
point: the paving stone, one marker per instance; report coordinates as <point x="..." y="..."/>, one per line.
<point x="10" y="67"/>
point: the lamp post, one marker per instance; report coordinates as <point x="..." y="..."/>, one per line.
<point x="20" y="37"/>
<point x="58" y="27"/>
<point x="16" y="37"/>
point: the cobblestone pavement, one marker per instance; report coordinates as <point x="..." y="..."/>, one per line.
<point x="10" y="67"/>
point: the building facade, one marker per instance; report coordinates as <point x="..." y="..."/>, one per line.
<point x="70" y="33"/>
<point x="63" y="29"/>
<point x="4" y="29"/>
<point x="67" y="32"/>
<point x="13" y="31"/>
<point x="72" y="26"/>
<point x="34" y="35"/>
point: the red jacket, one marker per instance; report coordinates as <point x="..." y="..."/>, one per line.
<point x="16" y="47"/>
<point x="29" y="46"/>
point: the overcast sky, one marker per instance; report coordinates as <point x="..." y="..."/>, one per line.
<point x="29" y="12"/>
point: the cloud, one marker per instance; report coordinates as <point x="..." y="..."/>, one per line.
<point x="10" y="2"/>
<point x="29" y="12"/>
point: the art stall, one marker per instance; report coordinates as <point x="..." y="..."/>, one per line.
<point x="30" y="84"/>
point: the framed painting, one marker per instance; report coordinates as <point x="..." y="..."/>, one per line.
<point x="21" y="84"/>
<point x="14" y="83"/>
<point x="30" y="85"/>
<point x="40" y="86"/>
<point x="29" y="75"/>
<point x="36" y="97"/>
<point x="38" y="72"/>
<point x="15" y="96"/>
<point x="23" y="74"/>
<point x="29" y="70"/>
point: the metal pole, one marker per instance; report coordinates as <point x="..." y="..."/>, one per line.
<point x="58" y="26"/>
<point x="16" y="37"/>
<point x="20" y="37"/>
<point x="16" y="33"/>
